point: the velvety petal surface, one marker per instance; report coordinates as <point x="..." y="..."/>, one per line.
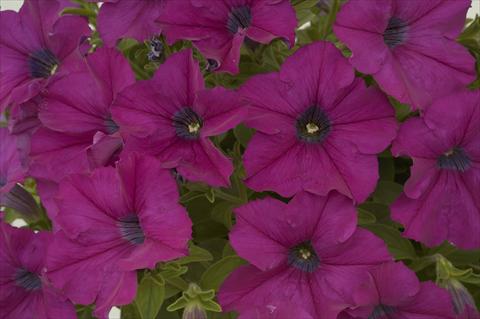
<point x="11" y="169"/>
<point x="278" y="159"/>
<point x="206" y="24"/>
<point x="149" y="105"/>
<point x="138" y="20"/>
<point x="54" y="154"/>
<point x="424" y="62"/>
<point x="361" y="28"/>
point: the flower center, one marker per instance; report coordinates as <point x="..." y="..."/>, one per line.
<point x="381" y="312"/>
<point x="156" y="49"/>
<point x="187" y="124"/>
<point x="130" y="229"/>
<point x="455" y="159"/>
<point x="212" y="65"/>
<point x="27" y="280"/>
<point x="395" y="33"/>
<point x="313" y="125"/>
<point x="110" y="125"/>
<point x="42" y="64"/>
<point x="303" y="257"/>
<point x="239" y="18"/>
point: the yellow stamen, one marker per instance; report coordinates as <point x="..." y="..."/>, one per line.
<point x="312" y="128"/>
<point x="450" y="152"/>
<point x="193" y="127"/>
<point x="304" y="253"/>
<point x="54" y="69"/>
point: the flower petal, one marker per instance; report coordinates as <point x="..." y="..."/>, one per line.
<point x="138" y="20"/>
<point x="221" y="110"/>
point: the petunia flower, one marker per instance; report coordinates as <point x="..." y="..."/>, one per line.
<point x="281" y="310"/>
<point x="318" y="128"/>
<point x="128" y="19"/>
<point x="79" y="133"/>
<point x="219" y="27"/>
<point x="308" y="252"/>
<point x="113" y="222"/>
<point x="25" y="292"/>
<point x="393" y="291"/>
<point x="11" y="168"/>
<point x="408" y="46"/>
<point x="441" y="200"/>
<point x="172" y="117"/>
<point x="37" y="46"/>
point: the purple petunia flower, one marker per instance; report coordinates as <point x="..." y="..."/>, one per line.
<point x="408" y="46"/>
<point x="219" y="27"/>
<point x="393" y="291"/>
<point x="308" y="252"/>
<point x="318" y="128"/>
<point x="128" y="19"/>
<point x="441" y="200"/>
<point x="25" y="291"/>
<point x="112" y="222"/>
<point x="172" y="117"/>
<point x="37" y="46"/>
<point x="79" y="132"/>
<point x="280" y="310"/>
<point x="11" y="168"/>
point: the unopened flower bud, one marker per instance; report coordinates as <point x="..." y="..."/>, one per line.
<point x="194" y="311"/>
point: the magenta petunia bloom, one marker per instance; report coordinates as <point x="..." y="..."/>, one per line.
<point x="79" y="132"/>
<point x="318" y="128"/>
<point x="441" y="200"/>
<point x="393" y="291"/>
<point x="11" y="168"/>
<point x="172" y="117"/>
<point x="408" y="46"/>
<point x="308" y="252"/>
<point x="219" y="27"/>
<point x="112" y="222"/>
<point x="37" y="46"/>
<point x="128" y="19"/>
<point x="280" y="310"/>
<point x="25" y="291"/>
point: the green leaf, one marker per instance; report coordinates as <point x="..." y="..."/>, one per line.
<point x="172" y="270"/>
<point x="228" y="250"/>
<point x="386" y="168"/>
<point x="402" y="111"/>
<point x="150" y="295"/>
<point x="381" y="211"/>
<point x="195" y="254"/>
<point x="365" y="217"/>
<point x="84" y="312"/>
<point x="387" y="192"/>
<point x="222" y="213"/>
<point x="213" y="277"/>
<point x="243" y="134"/>
<point x="80" y="12"/>
<point x="129" y="312"/>
<point x="399" y="247"/>
<point x="470" y="37"/>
